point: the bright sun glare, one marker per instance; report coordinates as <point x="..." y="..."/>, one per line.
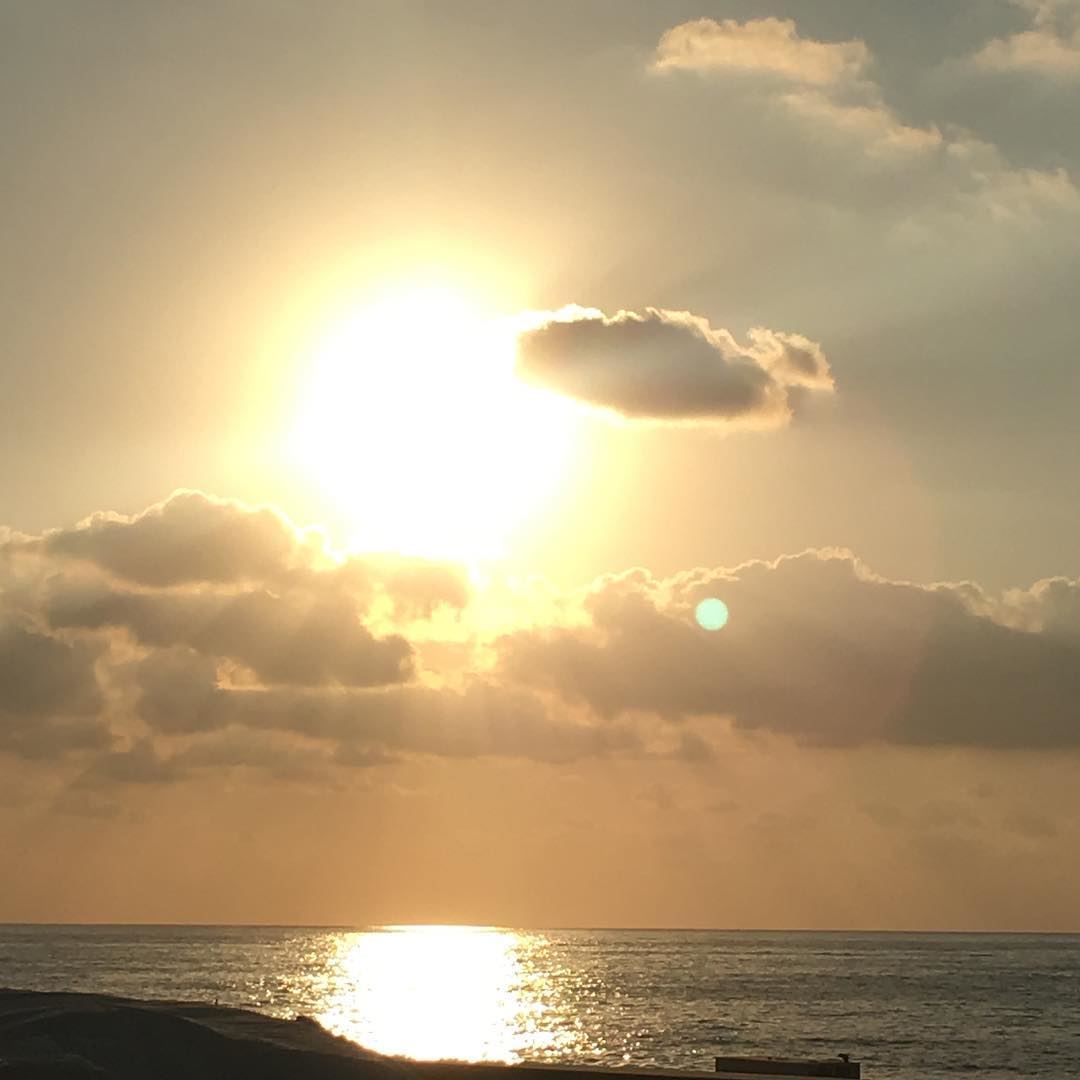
<point x="439" y="992"/>
<point x="416" y="426"/>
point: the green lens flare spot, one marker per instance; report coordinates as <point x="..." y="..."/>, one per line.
<point x="711" y="614"/>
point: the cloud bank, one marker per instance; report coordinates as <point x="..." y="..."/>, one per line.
<point x="820" y="649"/>
<point x="272" y="656"/>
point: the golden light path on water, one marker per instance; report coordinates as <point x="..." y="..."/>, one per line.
<point x="442" y="992"/>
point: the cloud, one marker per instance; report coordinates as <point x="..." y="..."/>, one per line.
<point x="826" y="83"/>
<point x="374" y="726"/>
<point x="143" y="763"/>
<point x="1049" y="48"/>
<point x="1057" y="603"/>
<point x="51" y="738"/>
<point x="418" y="587"/>
<point x="42" y="676"/>
<point x="49" y="694"/>
<point x="179" y="692"/>
<point x="670" y="366"/>
<point x="767" y="45"/>
<point x="291" y="638"/>
<point x="871" y="124"/>
<point x="279" y="756"/>
<point x="190" y="537"/>
<point x="817" y="648"/>
<point x="835" y="108"/>
<point x="1050" y="607"/>
<point x="138" y="764"/>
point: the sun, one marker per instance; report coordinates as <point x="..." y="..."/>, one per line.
<point x="415" y="425"/>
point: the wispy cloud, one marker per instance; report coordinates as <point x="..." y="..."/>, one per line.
<point x="1049" y="48"/>
<point x="829" y="88"/>
<point x="768" y="45"/>
<point x="827" y="82"/>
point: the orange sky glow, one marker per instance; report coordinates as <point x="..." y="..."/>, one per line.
<point x="461" y="470"/>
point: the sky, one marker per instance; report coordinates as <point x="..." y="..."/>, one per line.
<point x="383" y="386"/>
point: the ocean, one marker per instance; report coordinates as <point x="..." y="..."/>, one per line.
<point x="909" y="1006"/>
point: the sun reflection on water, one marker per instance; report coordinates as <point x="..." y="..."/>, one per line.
<point x="440" y="992"/>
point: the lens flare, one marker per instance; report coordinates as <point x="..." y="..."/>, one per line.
<point x="711" y="614"/>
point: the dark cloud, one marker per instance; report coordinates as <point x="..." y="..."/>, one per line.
<point x="670" y="366"/>
<point x="49" y="694"/>
<point x="295" y="638"/>
<point x="483" y="720"/>
<point x="694" y="749"/>
<point x="275" y="754"/>
<point x="47" y="739"/>
<point x="818" y="648"/>
<point x="179" y="691"/>
<point x="141" y="763"/>
<point x="279" y="756"/>
<point x="43" y="676"/>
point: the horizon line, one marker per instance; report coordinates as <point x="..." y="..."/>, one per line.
<point x="506" y="928"/>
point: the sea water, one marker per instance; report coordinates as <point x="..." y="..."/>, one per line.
<point x="910" y="1006"/>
